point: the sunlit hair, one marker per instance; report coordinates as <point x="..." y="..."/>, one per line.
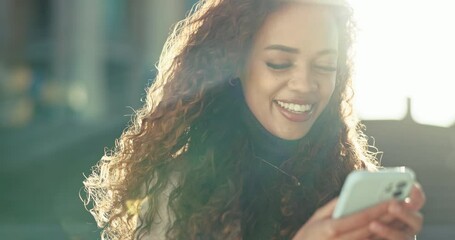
<point x="189" y="127"/>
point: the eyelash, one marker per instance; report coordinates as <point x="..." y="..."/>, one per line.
<point x="284" y="66"/>
<point x="279" y="66"/>
<point x="326" y="68"/>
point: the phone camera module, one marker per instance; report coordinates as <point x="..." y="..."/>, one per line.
<point x="401" y="184"/>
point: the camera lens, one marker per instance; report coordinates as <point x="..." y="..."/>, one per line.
<point x="397" y="194"/>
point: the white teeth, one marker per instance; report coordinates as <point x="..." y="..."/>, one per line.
<point x="295" y="107"/>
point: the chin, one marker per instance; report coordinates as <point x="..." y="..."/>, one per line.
<point x="292" y="136"/>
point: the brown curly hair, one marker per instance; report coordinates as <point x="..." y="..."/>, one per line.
<point x="190" y="125"/>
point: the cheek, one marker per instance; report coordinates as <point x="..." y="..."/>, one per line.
<point x="329" y="96"/>
<point x="259" y="84"/>
<point x="328" y="88"/>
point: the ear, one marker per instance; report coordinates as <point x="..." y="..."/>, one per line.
<point x="234" y="81"/>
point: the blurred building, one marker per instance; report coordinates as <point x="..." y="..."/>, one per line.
<point x="82" y="59"/>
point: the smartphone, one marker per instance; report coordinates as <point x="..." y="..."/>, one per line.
<point x="363" y="189"/>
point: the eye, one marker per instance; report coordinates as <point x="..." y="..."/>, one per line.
<point x="326" y="69"/>
<point x="281" y="66"/>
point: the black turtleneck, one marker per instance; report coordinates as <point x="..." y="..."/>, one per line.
<point x="264" y="144"/>
<point x="262" y="187"/>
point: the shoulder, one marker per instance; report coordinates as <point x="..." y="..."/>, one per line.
<point x="162" y="216"/>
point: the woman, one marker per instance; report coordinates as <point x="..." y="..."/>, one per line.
<point x="247" y="133"/>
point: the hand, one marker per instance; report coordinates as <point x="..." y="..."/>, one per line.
<point x="321" y="226"/>
<point x="416" y="199"/>
<point x="403" y="219"/>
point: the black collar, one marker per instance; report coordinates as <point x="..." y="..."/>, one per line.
<point x="264" y="144"/>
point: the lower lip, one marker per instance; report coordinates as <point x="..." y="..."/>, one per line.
<point x="295" y="117"/>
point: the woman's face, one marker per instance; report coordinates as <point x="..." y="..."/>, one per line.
<point x="290" y="73"/>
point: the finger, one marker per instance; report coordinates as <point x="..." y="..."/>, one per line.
<point x="412" y="219"/>
<point x="395" y="224"/>
<point x="361" y="233"/>
<point x="324" y="211"/>
<point x="388" y="233"/>
<point x="416" y="198"/>
<point x="361" y="218"/>
<point x="387" y="219"/>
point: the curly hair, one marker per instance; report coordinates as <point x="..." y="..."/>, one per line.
<point x="189" y="125"/>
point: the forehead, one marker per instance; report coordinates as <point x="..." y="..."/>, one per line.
<point x="300" y="24"/>
<point x="341" y="3"/>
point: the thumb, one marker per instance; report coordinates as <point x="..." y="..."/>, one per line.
<point x="416" y="199"/>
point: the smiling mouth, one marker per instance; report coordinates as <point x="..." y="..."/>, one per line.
<point x="295" y="108"/>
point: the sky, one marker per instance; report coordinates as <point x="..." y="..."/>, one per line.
<point x="405" y="49"/>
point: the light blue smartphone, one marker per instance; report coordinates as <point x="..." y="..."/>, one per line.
<point x="363" y="189"/>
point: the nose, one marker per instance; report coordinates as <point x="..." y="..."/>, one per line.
<point x="302" y="81"/>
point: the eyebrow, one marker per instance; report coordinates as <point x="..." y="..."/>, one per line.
<point x="288" y="49"/>
<point x="282" y="48"/>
